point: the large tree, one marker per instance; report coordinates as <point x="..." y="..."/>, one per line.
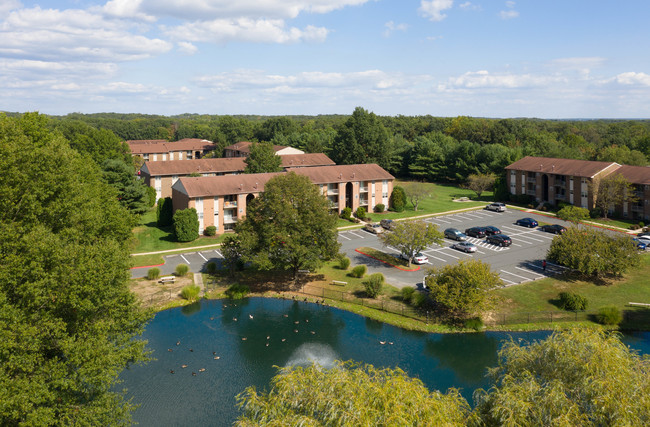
<point x="462" y="289"/>
<point x="594" y="252"/>
<point x="612" y="191"/>
<point x="289" y="226"/>
<point x="578" y="377"/>
<point x="416" y="192"/>
<point x="67" y="318"/>
<point x="262" y="159"/>
<point x="480" y="182"/>
<point x="411" y="237"/>
<point x="131" y="191"/>
<point x="350" y="394"/>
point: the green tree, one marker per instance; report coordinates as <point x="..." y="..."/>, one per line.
<point x="593" y="252"/>
<point x="131" y="192"/>
<point x="612" y="191"/>
<point x="416" y="192"/>
<point x="462" y="289"/>
<point x="362" y="139"/>
<point x="231" y="251"/>
<point x="68" y="322"/>
<point x="164" y="212"/>
<point x="411" y="237"/>
<point x="262" y="159"/>
<point x="186" y="225"/>
<point x="573" y="214"/>
<point x="576" y="377"/>
<point x="480" y="182"/>
<point x="289" y="226"/>
<point x="398" y="199"/>
<point x="350" y="394"/>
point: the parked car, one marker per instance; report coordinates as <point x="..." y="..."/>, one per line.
<point x="644" y="239"/>
<point x="478" y="232"/>
<point x="455" y="234"/>
<point x="465" y="246"/>
<point x="526" y="222"/>
<point x="491" y="230"/>
<point x="374" y="228"/>
<point x="418" y="258"/>
<point x="388" y="224"/>
<point x="640" y="245"/>
<point x="553" y="228"/>
<point x="499" y="240"/>
<point x="496" y="207"/>
<point x="643" y="234"/>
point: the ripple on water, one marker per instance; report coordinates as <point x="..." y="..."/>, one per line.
<point x="313" y="353"/>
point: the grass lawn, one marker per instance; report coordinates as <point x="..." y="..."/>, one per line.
<point x="441" y="200"/>
<point x="149" y="237"/>
<point x="539" y="295"/>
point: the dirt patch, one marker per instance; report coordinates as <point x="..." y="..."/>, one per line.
<point x="152" y="293"/>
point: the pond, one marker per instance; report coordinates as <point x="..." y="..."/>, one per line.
<point x="227" y="346"/>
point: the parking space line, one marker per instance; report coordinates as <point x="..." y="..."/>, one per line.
<point x="530" y="272"/>
<point x="345" y="237"/>
<point x="474" y="216"/>
<point x="219" y="253"/>
<point x="441" y="220"/>
<point x="463" y="217"/>
<point x="185" y="259"/>
<point x="527" y="279"/>
<point x="356" y="235"/>
<point x="201" y="255"/>
<point x="514" y="244"/>
<point x="509" y="281"/>
<point x="431" y="256"/>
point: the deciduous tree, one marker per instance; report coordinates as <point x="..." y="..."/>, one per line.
<point x="480" y="182"/>
<point x="410" y="237"/>
<point x="289" y="226"/>
<point x="611" y="191"/>
<point x="415" y="192"/>
<point x="262" y="159"/>
<point x="573" y="214"/>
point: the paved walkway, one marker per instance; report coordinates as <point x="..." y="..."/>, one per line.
<point x="198" y="280"/>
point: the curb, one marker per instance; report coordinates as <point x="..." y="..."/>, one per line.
<point x="147" y="266"/>
<point x="387" y="263"/>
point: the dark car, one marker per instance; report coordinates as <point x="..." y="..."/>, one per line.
<point x="454" y="234"/>
<point x="553" y="228"/>
<point x="640" y="245"/>
<point x="476" y="232"/>
<point x="643" y="234"/>
<point x="491" y="230"/>
<point x="499" y="240"/>
<point x="526" y="222"/>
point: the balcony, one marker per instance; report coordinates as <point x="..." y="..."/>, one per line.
<point x="229" y="219"/>
<point x="229" y="204"/>
<point x="636" y="208"/>
<point x="332" y="191"/>
<point x="363" y="202"/>
<point x="531" y="180"/>
<point x="531" y="193"/>
<point x="560" y="197"/>
<point x="363" y="189"/>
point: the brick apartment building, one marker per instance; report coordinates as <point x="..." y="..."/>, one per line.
<point x="162" y="175"/>
<point x="243" y="149"/>
<point x="156" y="150"/>
<point x="222" y="200"/>
<point x="550" y="180"/>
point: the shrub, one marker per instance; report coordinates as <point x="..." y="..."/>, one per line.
<point x="361" y="212"/>
<point x="359" y="271"/>
<point x="641" y="224"/>
<point x="407" y="294"/>
<point x="182" y="269"/>
<point x="153" y="273"/>
<point x="398" y="199"/>
<point x="151" y="196"/>
<point x="418" y="299"/>
<point x="475" y="323"/>
<point x="609" y="315"/>
<point x="190" y="292"/>
<point x="211" y="267"/>
<point x="210" y="230"/>
<point x="380" y="207"/>
<point x="346" y="213"/>
<point x="164" y="212"/>
<point x="186" y="225"/>
<point x="237" y="291"/>
<point x="573" y="213"/>
<point x="374" y="284"/>
<point x="596" y="212"/>
<point x="572" y="302"/>
<point x="344" y="263"/>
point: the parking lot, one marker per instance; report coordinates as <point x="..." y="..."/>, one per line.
<point x="521" y="262"/>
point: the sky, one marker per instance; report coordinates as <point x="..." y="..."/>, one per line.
<point x="482" y="58"/>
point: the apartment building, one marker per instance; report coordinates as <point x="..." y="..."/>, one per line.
<point x="550" y="180"/>
<point x="222" y="200"/>
<point x="156" y="150"/>
<point x="242" y="149"/>
<point x="162" y="175"/>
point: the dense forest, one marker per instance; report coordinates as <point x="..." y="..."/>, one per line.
<point x="437" y="149"/>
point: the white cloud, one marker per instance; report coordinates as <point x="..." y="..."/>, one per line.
<point x="511" y="13"/>
<point x="391" y="27"/>
<point x="8" y="5"/>
<point x="243" y="29"/>
<point x="483" y="79"/>
<point x="632" y="79"/>
<point x="432" y="9"/>
<point x="470" y="6"/>
<point x="49" y="34"/>
<point x="187" y="48"/>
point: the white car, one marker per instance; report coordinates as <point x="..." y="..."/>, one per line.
<point x="644" y="239"/>
<point x="418" y="258"/>
<point x="496" y="207"/>
<point x="375" y="228"/>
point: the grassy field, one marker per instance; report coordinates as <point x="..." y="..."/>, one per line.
<point x="541" y="295"/>
<point x="148" y="237"/>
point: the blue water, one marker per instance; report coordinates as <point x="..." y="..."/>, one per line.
<point x="321" y="334"/>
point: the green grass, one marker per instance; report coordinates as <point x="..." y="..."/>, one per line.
<point x="441" y="200"/>
<point x="538" y="296"/>
<point x="145" y="260"/>
<point x="148" y="237"/>
<point x="388" y="258"/>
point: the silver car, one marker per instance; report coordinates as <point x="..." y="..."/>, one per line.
<point x="465" y="246"/>
<point x="496" y="207"/>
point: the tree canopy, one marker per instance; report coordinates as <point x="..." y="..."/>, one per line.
<point x="289" y="226"/>
<point x="67" y="318"/>
<point x="611" y="191"/>
<point x="262" y="159"/>
<point x="411" y="237"/>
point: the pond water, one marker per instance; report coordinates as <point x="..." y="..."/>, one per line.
<point x="229" y="345"/>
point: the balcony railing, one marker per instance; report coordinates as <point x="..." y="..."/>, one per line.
<point x="531" y="192"/>
<point x="332" y="192"/>
<point x="229" y="219"/>
<point x="532" y="180"/>
<point x="363" y="202"/>
<point x="227" y="205"/>
<point x="363" y="189"/>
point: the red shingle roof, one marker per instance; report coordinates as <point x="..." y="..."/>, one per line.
<point x="582" y="168"/>
<point x="635" y="174"/>
<point x="245" y="147"/>
<point x="186" y="167"/>
<point x="343" y="173"/>
<point x="151" y="146"/>
<point x="210" y="186"/>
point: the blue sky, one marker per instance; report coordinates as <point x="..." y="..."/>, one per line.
<point x="487" y="58"/>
